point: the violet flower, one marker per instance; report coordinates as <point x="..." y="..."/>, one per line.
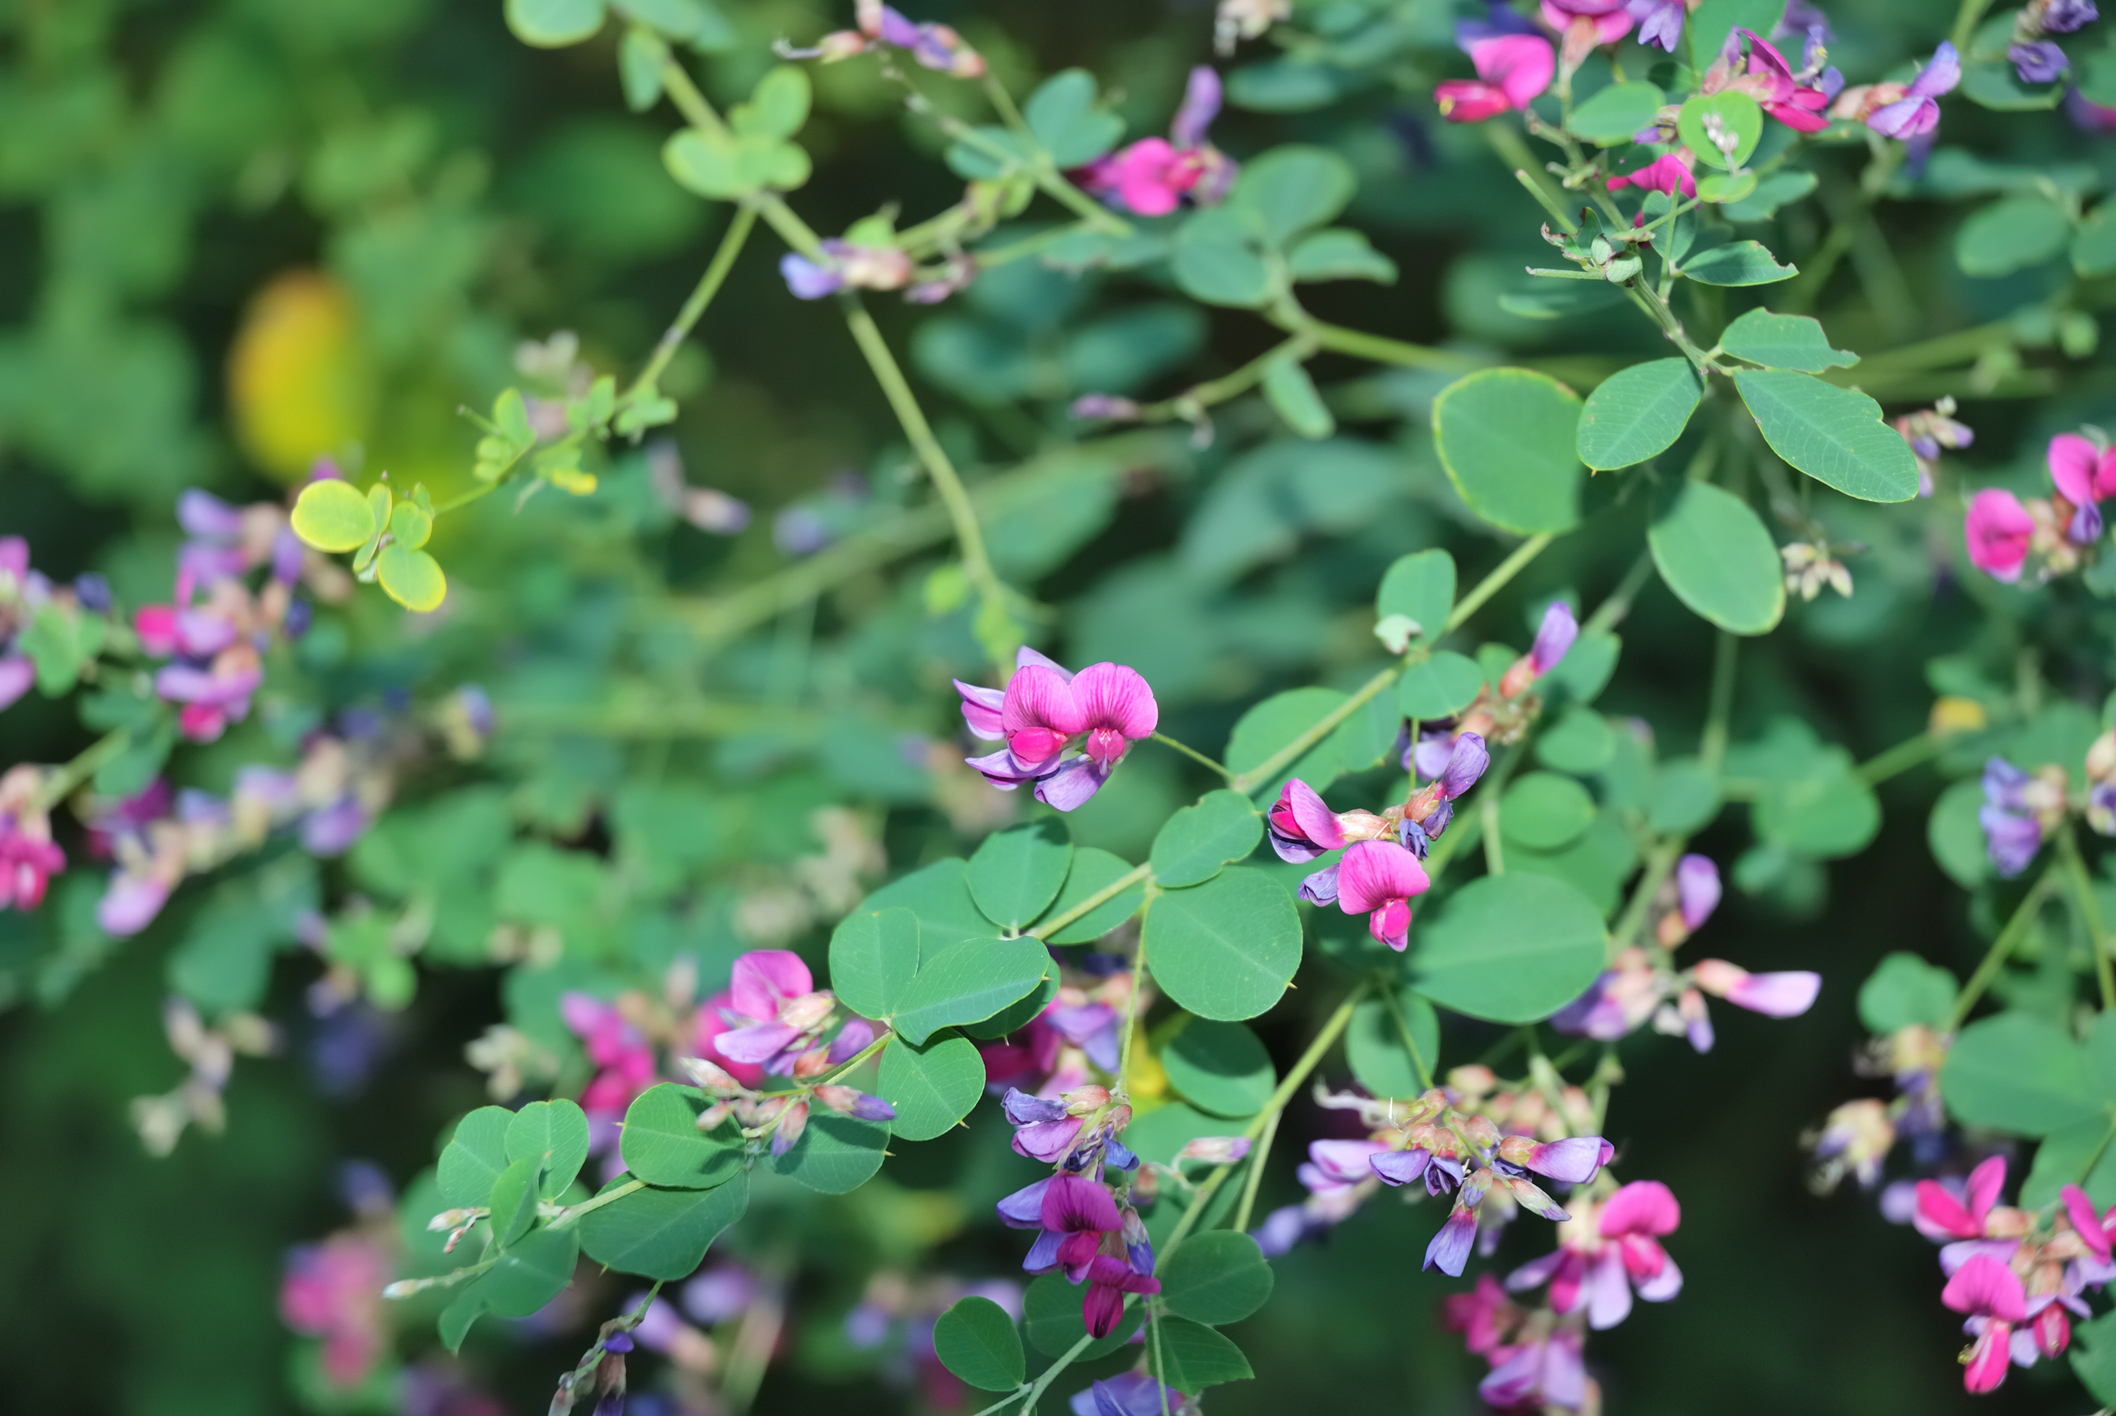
<point x="1130" y="1394"/>
<point x="1917" y="111"/>
<point x="1043" y="709"/>
<point x="1540" y="1374"/>
<point x="1044" y="1130"/>
<point x="1697" y="889"/>
<point x="1612" y="1249"/>
<point x="2064" y="16"/>
<point x="2038" y="61"/>
<point x="1554" y="640"/>
<point x="1659" y="21"/>
<point x="2013" y="826"/>
<point x="775" y="1013"/>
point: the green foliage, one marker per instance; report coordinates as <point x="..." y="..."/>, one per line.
<point x="1190" y="1356"/>
<point x="1904" y="990"/>
<point x="1225" y="949"/>
<point x="932" y="1087"/>
<point x="1718" y="557"/>
<point x="661" y="1233"/>
<point x="1222" y="1068"/>
<point x="1198" y="840"/>
<point x="1507" y="438"/>
<point x="1638" y="414"/>
<point x="2019" y="1073"/>
<point x="1783" y="342"/>
<point x="1380" y="1043"/>
<point x="1215" y="1278"/>
<point x="1835" y="435"/>
<point x="968" y="983"/>
<point x="1511" y="948"/>
<point x="662" y="1145"/>
<point x="977" y="1341"/>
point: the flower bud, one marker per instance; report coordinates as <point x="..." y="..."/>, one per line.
<point x="710" y="1076"/>
<point x="1085" y="1101"/>
<point x="710" y="1118"/>
<point x="849" y="1102"/>
<point x="1215" y="1150"/>
<point x="808" y="1011"/>
<point x="812" y="1063"/>
<point x="792" y="1122"/>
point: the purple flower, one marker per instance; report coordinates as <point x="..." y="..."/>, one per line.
<point x="1093" y="1028"/>
<point x="2038" y="61"/>
<point x="1659" y="21"/>
<point x="17" y="674"/>
<point x="2065" y="16"/>
<point x="806" y="279"/>
<point x="1043" y="709"/>
<point x="1201" y="104"/>
<point x="1300" y="823"/>
<point x="1321" y="887"/>
<point x="1449" y="1249"/>
<point x="1917" y="111"/>
<point x="1697" y="889"/>
<point x="1539" y="1375"/>
<point x="1044" y="1130"/>
<point x="1131" y="1394"/>
<point x="1553" y="638"/>
<point x="2013" y="830"/>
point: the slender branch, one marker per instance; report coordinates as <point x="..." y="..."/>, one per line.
<point x="1494" y="857"/>
<point x="1712" y="747"/>
<point x="573" y="1212"/>
<point x="1101" y="897"/>
<point x="1403" y="1027"/>
<point x="1659" y="864"/>
<point x="1965" y="22"/>
<point x="1909" y="753"/>
<point x="1995" y="958"/>
<point x="2089" y="908"/>
<point x="59" y="783"/>
<point x="1192" y="753"/>
<point x="1380" y="348"/>
<point x="1256" y="1171"/>
<point x="708" y="286"/>
<point x="1611" y="612"/>
<point x="1191" y="401"/>
<point x="1493" y="583"/>
<point x="1271" y="766"/>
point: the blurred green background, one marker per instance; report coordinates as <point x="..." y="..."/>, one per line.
<point x="235" y="233"/>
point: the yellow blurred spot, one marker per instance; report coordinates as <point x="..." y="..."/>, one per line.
<point x="300" y="385"/>
<point x="1144" y="1077"/>
<point x="1957" y="715"/>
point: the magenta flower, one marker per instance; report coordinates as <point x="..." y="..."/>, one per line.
<point x="1670" y="173"/>
<point x="1108" y="1280"/>
<point x="1543" y="1374"/>
<point x="333" y="1291"/>
<point x="1766" y="77"/>
<point x="1379" y="879"/>
<point x="2085" y="476"/>
<point x="1043" y="709"/>
<point x="1152" y="176"/>
<point x="28" y="857"/>
<point x="774" y="1013"/>
<point x="1610" y="1250"/>
<point x="1918" y="111"/>
<point x="2094" y="1229"/>
<point x="1301" y="824"/>
<point x="1999" y="531"/>
<point x="624" y="1059"/>
<point x="1512" y="70"/>
<point x="1941" y="1215"/>
<point x="1991" y="1294"/>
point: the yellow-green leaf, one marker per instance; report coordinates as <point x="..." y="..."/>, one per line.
<point x="411" y="525"/>
<point x="412" y="578"/>
<point x="332" y="516"/>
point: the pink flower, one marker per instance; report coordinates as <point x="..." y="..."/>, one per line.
<point x="1483" y="1316"/>
<point x="775" y="1013"/>
<point x="2093" y="1229"/>
<point x="1301" y="824"/>
<point x="1043" y="709"/>
<point x="1991" y="1294"/>
<point x="1608" y="1250"/>
<point x="1766" y="77"/>
<point x="623" y="1058"/>
<point x="2085" y="476"/>
<point x="1669" y="173"/>
<point x="1786" y="994"/>
<point x="1512" y="70"/>
<point x="709" y="1026"/>
<point x="1378" y="879"/>
<point x="1998" y="530"/>
<point x="1153" y="175"/>
<point x="1940" y="1216"/>
<point x="1541" y="1375"/>
<point x="333" y="1290"/>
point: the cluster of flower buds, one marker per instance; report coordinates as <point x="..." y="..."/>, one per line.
<point x="2022" y="808"/>
<point x="2017" y="1275"/>
<point x="1501" y="713"/>
<point x="846" y="265"/>
<point x="783" y="1116"/>
<point x="1043" y="710"/>
<point x="1642" y="983"/>
<point x="28" y="856"/>
<point x="1380" y="872"/>
<point x="1088" y="1227"/>
<point x="1929" y="431"/>
<point x="2003" y="532"/>
<point x="1082" y="1027"/>
<point x="932" y="46"/>
<point x="1810" y="565"/>
<point x="2035" y="58"/>
<point x="210" y="1053"/>
<point x="216" y="630"/>
<point x="1153" y="176"/>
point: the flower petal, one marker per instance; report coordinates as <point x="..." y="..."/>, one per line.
<point x="765" y="978"/>
<point x="1641" y="1207"/>
<point x="1374" y="872"/>
<point x="1113" y="696"/>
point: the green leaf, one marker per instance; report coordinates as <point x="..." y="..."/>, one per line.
<point x="1421" y="588"/>
<point x="1293" y="188"/>
<point x="1718" y="557"/>
<point x="1904" y="990"/>
<point x="1957" y="837"/>
<point x="777" y="107"/>
<point x="2064" y="1157"/>
<point x="473" y="1160"/>
<point x="1443" y="685"/>
<point x="1835" y="435"/>
<point x="969" y="982"/>
<point x="1783" y="342"/>
<point x="640" y="55"/>
<point x="662" y="1145"/>
<point x="1221" y="1068"/>
<point x="1580" y="742"/>
<point x="2012" y="234"/>
<point x="2093" y="1356"/>
<point x="1737" y="263"/>
<point x="554" y="24"/>
<point x="555" y="1135"/>
<point x="2094" y="247"/>
<point x="1723" y="187"/>
<point x="657" y="1233"/>
<point x="1638" y="413"/>
<point x="1190" y="1356"/>
<point x="412" y="578"/>
<point x="1062" y="115"/>
<point x="1225" y="949"/>
<point x="1773" y="190"/>
<point x="1510" y="948"/>
<point x="1544" y="811"/>
<point x="1375" y="1048"/>
<point x="1339" y="253"/>
<point x="1015" y="1016"/>
<point x="939" y="894"/>
<point x="1016" y="872"/>
<point x="1094" y="870"/>
<point x="873" y="958"/>
<point x="2017" y="1073"/>
<point x="977" y="1341"/>
<point x="514" y="1200"/>
<point x="523" y="1280"/>
<point x="1275" y="723"/>
<point x="931" y="1087"/>
<point x="1683" y="797"/>
<point x="1615" y="114"/>
<point x="1293" y="396"/>
<point x="1507" y="439"/>
<point x="333" y="517"/>
<point x="1215" y="1277"/>
<point x="1213" y="261"/>
<point x="1820" y="816"/>
<point x="836" y="1154"/>
<point x="1738" y="115"/>
<point x="1050" y="1314"/>
<point x="1190" y="849"/>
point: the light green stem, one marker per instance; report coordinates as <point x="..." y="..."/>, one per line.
<point x="1995" y="958"/>
<point x="60" y="782"/>
<point x="709" y="284"/>
<point x="1190" y="752"/>
<point x="2089" y="907"/>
